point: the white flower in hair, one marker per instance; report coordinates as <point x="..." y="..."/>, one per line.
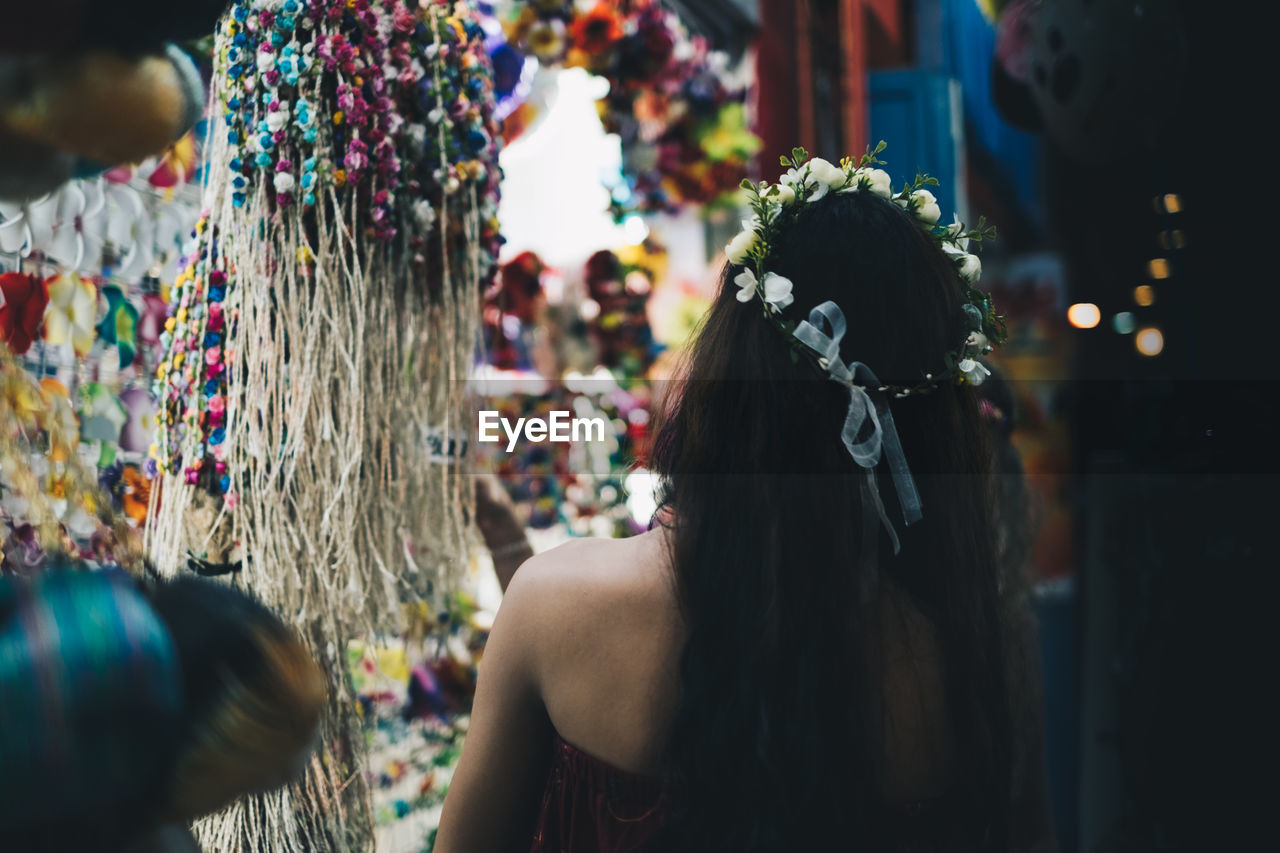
<point x="777" y="291"/>
<point x="811" y="179"/>
<point x="972" y="370"/>
<point x="925" y="206"/>
<point x="969" y="267"/>
<point x="746" y="281"/>
<point x="826" y="172"/>
<point x="954" y="239"/>
<point x="740" y="246"/>
<point x="793" y="177"/>
<point x="874" y="180"/>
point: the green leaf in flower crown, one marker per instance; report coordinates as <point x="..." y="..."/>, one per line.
<point x="747" y="185"/>
<point x="996" y="330"/>
<point x="799" y="155"/>
<point x="784" y="160"/>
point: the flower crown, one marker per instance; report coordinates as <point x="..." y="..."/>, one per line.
<point x="774" y="208"/>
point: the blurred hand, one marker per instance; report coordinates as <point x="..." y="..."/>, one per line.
<point x="500" y="526"/>
<point x="495" y="511"/>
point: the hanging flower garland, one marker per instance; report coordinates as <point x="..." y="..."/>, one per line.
<point x="677" y="109"/>
<point x="413" y="127"/>
<point x="410" y="95"/>
<point x="317" y="334"/>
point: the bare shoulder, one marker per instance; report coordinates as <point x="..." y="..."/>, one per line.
<point x="583" y="575"/>
<point x="603" y="641"/>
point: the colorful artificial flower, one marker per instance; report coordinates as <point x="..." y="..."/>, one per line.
<point x="22" y="309"/>
<point x="135" y="494"/>
<point x="120" y="324"/>
<point x="70" y="316"/>
<point x="546" y="40"/>
<point x="177" y="164"/>
<point x="135" y="435"/>
<point x="727" y="136"/>
<point x="596" y="32"/>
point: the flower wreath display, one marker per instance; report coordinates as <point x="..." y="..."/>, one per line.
<point x="674" y="103"/>
<point x="316" y="343"/>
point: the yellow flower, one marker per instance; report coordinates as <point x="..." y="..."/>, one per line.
<point x="72" y="312"/>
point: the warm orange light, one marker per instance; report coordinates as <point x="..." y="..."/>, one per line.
<point x="1149" y="341"/>
<point x="1144" y="295"/>
<point x="1172" y="203"/>
<point x="1158" y="268"/>
<point x="1084" y="315"/>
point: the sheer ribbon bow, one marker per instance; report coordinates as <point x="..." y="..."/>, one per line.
<point x="880" y="442"/>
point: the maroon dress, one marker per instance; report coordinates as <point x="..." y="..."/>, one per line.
<point x="589" y="806"/>
<point x="592" y="807"/>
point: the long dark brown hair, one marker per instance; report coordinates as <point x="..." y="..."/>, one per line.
<point x="775" y="745"/>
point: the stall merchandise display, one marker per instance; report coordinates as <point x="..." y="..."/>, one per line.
<point x="52" y="508"/>
<point x="677" y="106"/>
<point x="415" y="694"/>
<point x="84" y="273"/>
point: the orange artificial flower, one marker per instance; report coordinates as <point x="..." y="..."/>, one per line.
<point x="595" y="32"/>
<point x="136" y="494"/>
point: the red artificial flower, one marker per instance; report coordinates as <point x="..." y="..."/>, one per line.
<point x="22" y="311"/>
<point x="595" y="32"/>
<point x="177" y="165"/>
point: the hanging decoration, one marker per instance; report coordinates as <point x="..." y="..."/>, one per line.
<point x="52" y="506"/>
<point x="676" y="105"/>
<point x="84" y="269"/>
<point x="318" y="338"/>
